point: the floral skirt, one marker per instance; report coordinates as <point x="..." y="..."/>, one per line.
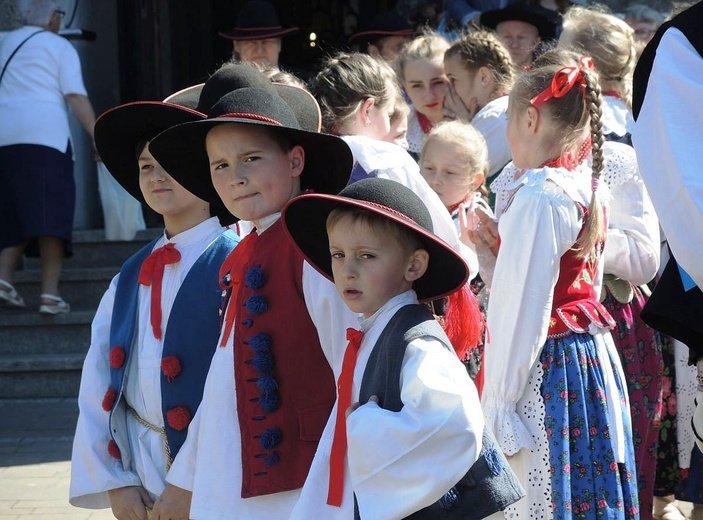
<point x="640" y="349"/>
<point x="566" y="410"/>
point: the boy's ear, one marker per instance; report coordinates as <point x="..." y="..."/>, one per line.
<point x="296" y="156"/>
<point x="419" y="261"/>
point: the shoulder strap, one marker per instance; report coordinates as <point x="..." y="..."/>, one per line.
<point x="15" y="51"/>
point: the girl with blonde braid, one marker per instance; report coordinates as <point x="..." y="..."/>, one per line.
<point x="610" y="42"/>
<point x="554" y="393"/>
<point x="480" y="74"/>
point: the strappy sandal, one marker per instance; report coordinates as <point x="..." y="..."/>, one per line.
<point x="57" y="305"/>
<point x="9" y="296"/>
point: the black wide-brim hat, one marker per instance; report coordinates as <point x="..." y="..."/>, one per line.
<point x="119" y="131"/>
<point x="257" y="20"/>
<point x="305" y="218"/>
<point x="547" y="21"/>
<point x="181" y="149"/>
<point x="390" y="23"/>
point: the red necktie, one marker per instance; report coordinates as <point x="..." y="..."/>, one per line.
<point x="339" y="442"/>
<point x="234" y="267"/>
<point x="152" y="273"/>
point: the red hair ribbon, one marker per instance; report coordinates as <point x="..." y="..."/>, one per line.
<point x="563" y="81"/>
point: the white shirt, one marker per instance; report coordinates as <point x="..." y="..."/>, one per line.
<point x="666" y="137"/>
<point x="492" y="122"/>
<point x="617" y="117"/>
<point x="93" y="470"/>
<point x="400" y="462"/>
<point x="32" y="91"/>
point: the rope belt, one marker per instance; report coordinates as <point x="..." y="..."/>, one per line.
<point x="160" y="431"/>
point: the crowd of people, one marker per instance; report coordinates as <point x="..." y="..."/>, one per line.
<point x="425" y="283"/>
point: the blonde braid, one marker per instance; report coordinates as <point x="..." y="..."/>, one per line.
<point x="480" y="48"/>
<point x="595" y="231"/>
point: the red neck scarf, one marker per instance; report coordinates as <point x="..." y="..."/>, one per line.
<point x="231" y="275"/>
<point x="425" y="124"/>
<point x="339" y="441"/>
<point x="152" y="273"/>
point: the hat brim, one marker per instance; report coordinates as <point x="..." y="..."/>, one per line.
<point x="374" y="35"/>
<point x="259" y="34"/>
<point x="547" y="29"/>
<point x="304" y="219"/>
<point x="118" y="130"/>
<point x="181" y="151"/>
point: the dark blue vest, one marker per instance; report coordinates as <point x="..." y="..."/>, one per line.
<point x="490" y="485"/>
<point x="191" y="333"/>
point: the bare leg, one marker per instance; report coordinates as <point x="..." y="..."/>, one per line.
<point x="52" y="252"/>
<point x="9" y="260"/>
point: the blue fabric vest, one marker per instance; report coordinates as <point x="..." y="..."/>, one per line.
<point x="191" y="334"/>
<point x="490" y="485"/>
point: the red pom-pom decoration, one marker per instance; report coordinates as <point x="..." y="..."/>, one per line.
<point x="178" y="418"/>
<point x="117" y="357"/>
<point x="109" y="399"/>
<point x="113" y="450"/>
<point x="171" y="367"/>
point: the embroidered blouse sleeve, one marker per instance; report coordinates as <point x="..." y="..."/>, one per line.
<point x="665" y="137"/>
<point x="403" y="461"/>
<point x="93" y="470"/>
<point x="632" y="246"/>
<point x="526" y="272"/>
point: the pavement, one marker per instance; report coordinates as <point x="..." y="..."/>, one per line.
<point x="35" y="454"/>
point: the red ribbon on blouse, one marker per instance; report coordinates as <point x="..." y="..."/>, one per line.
<point x="563" y="81"/>
<point x="152" y="273"/>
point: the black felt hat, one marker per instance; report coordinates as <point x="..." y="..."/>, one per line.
<point x="547" y="21"/>
<point x="305" y="217"/>
<point x="390" y="23"/>
<point x="257" y="20"/>
<point x="304" y="106"/>
<point x="121" y="132"/>
<point x="328" y="159"/>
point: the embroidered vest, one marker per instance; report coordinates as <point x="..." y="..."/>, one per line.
<point x="575" y="304"/>
<point x="285" y="387"/>
<point x="189" y="342"/>
<point x="490" y="485"/>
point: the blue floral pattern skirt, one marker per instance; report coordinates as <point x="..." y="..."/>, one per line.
<point x="586" y="479"/>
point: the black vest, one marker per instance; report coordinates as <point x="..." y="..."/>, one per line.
<point x="490" y="485"/>
<point x="671" y="309"/>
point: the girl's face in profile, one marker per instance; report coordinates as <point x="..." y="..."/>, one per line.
<point x="425" y="83"/>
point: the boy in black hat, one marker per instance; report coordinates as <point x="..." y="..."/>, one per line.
<point x="257" y="34"/>
<point x="385" y="36"/>
<point x="522" y="28"/>
<point x="414" y="439"/>
<point x="270" y="388"/>
<point x="156" y="327"/>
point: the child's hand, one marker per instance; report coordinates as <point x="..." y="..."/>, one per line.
<point x="356" y="405"/>
<point x="173" y="504"/>
<point x="454" y="107"/>
<point x="130" y="502"/>
<point x="486" y="233"/>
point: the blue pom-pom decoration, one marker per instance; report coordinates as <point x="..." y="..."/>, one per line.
<point x="256" y="304"/>
<point x="267" y="384"/>
<point x="270" y="438"/>
<point x="254" y="278"/>
<point x="263" y="362"/>
<point x="248" y="322"/>
<point x="269" y="402"/>
<point x="449" y="499"/>
<point x="259" y="343"/>
<point x="272" y="459"/>
<point x="495" y="464"/>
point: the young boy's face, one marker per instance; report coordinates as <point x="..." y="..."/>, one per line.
<point x="163" y="194"/>
<point x="370" y="266"/>
<point x="252" y="175"/>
